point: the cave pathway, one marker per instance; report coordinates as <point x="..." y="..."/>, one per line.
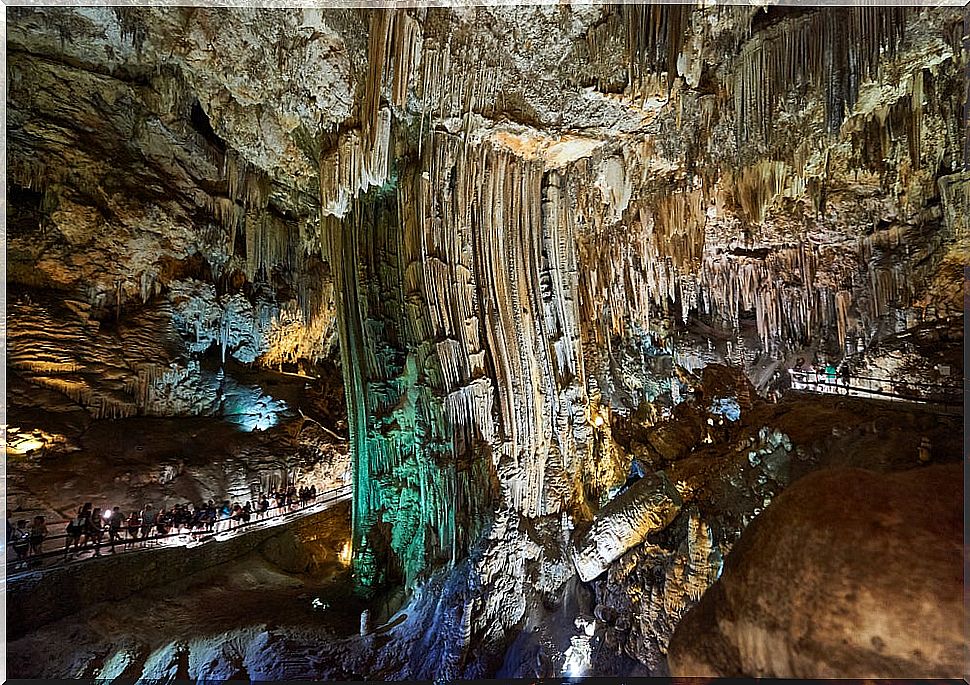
<point x="19" y="568"/>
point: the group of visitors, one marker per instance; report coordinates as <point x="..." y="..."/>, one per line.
<point x="27" y="541"/>
<point x="110" y="527"/>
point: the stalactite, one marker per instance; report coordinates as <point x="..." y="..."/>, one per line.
<point x="759" y="186"/>
<point x="270" y="241"/>
<point x="655" y="38"/>
<point x="351" y="167"/>
<point x="487" y="385"/>
<point x="832" y="51"/>
<point x="245" y="183"/>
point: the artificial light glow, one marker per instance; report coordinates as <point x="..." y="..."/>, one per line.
<point x="106" y="514"/>
<point x="598" y="417"/>
<point x="25" y="446"/>
<point x="346" y="552"/>
<point x="579" y="655"/>
<point x="20" y="440"/>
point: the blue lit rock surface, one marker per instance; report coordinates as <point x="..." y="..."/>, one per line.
<point x="849" y="574"/>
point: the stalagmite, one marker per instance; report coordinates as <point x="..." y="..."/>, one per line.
<point x="549" y="242"/>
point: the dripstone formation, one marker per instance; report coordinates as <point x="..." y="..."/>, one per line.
<point x="561" y="255"/>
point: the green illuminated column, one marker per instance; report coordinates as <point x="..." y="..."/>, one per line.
<point x="421" y="487"/>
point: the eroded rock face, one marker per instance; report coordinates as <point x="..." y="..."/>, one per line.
<point x="127" y="201"/>
<point x="848" y="574"/>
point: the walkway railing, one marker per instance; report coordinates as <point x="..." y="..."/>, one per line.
<point x="879" y="388"/>
<point x="61" y="552"/>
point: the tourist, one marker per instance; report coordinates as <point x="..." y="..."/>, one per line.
<point x="38" y="533"/>
<point x="198" y="518"/>
<point x="210" y="516"/>
<point x="76" y="529"/>
<point x="162" y="522"/>
<point x="263" y="506"/>
<point x="134" y="524"/>
<point x="115" y="522"/>
<point x="21" y="543"/>
<point x="179" y="518"/>
<point x="95" y="530"/>
<point x="313" y="493"/>
<point x="147" y="522"/>
<point x="235" y="515"/>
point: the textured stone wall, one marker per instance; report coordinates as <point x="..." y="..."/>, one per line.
<point x="533" y="256"/>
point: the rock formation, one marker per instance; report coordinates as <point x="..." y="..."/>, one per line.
<point x="525" y="232"/>
<point x="847" y="574"/>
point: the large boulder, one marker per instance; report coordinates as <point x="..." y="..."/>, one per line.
<point x="848" y="573"/>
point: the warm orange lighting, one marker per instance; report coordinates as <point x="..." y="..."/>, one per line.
<point x="25" y="446"/>
<point x="345" y="553"/>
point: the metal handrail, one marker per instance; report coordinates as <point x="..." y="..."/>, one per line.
<point x="823" y="374"/>
<point x="949" y="394"/>
<point x="126" y="543"/>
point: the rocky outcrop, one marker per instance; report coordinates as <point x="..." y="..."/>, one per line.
<point x="518" y="221"/>
<point x="847" y="574"/>
<point x="648" y="506"/>
<point x="129" y="205"/>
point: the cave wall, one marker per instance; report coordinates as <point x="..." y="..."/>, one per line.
<point x="140" y="239"/>
<point x="516" y="220"/>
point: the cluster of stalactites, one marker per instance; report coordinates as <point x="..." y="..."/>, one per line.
<point x="834" y="50"/>
<point x="358" y="159"/>
<point x="414" y="474"/>
<point x="662" y="265"/>
<point x="655" y="37"/>
<point x="460" y="317"/>
<point x="440" y="80"/>
<point x="651" y="36"/>
<point x="69" y="354"/>
<point x="518" y="248"/>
